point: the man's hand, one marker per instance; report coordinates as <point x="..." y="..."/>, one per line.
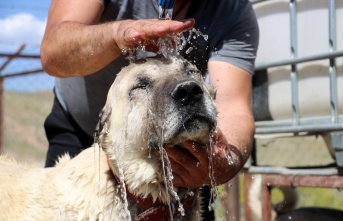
<point x="191" y="162"/>
<point x="131" y="33"/>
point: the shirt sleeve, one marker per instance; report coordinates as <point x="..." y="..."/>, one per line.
<point x="239" y="43"/>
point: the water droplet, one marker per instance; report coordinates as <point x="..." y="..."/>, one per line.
<point x="124" y="51"/>
<point x="229" y="160"/>
<point x="189" y="50"/>
<point x="149" y="155"/>
<point x="190" y="193"/>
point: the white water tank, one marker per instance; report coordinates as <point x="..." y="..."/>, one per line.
<point x="313" y="39"/>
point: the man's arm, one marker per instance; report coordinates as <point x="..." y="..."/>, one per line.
<point x="75" y="44"/>
<point x="235" y="118"/>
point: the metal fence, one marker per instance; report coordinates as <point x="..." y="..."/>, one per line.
<point x="317" y="124"/>
<point x="295" y="124"/>
<point x="25" y="101"/>
<point x="297" y="94"/>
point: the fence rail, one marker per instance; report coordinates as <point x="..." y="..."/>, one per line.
<point x="328" y="124"/>
<point x="296" y="124"/>
<point x="9" y="58"/>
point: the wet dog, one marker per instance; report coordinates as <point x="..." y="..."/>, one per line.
<point x="152" y="104"/>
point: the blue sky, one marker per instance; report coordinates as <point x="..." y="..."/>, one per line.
<point x="37" y="7"/>
<point x="23" y="22"/>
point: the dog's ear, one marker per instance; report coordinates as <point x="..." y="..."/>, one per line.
<point x="212" y="90"/>
<point x="101" y="127"/>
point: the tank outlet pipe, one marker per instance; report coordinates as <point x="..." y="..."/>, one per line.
<point x="165" y="9"/>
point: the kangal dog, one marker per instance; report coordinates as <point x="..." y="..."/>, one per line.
<point x="152" y="104"/>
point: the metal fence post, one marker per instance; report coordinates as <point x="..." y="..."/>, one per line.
<point x="1" y="114"/>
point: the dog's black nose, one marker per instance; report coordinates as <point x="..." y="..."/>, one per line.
<point x="187" y="92"/>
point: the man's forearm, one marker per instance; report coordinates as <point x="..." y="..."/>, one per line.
<point x="74" y="49"/>
<point x="239" y="132"/>
<point x="235" y="119"/>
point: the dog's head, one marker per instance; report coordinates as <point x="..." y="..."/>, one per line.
<point x="153" y="103"/>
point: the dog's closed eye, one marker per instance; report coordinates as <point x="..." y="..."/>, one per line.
<point x="143" y="85"/>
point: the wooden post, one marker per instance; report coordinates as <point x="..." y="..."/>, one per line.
<point x="1" y="114"/>
<point x="266" y="201"/>
<point x="232" y="206"/>
<point x="247" y="186"/>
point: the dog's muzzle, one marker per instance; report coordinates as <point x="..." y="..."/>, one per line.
<point x="189" y="113"/>
<point x="187" y="92"/>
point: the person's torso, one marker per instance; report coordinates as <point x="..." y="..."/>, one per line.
<point x="84" y="97"/>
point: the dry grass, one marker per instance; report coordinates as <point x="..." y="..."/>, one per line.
<point x="24" y="115"/>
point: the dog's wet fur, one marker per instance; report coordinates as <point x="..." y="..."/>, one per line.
<point x="153" y="103"/>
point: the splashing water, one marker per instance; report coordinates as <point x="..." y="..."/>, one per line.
<point x="165" y="9"/>
<point x="213" y="191"/>
<point x="168" y="181"/>
<point x="125" y="214"/>
<point x="167" y="175"/>
<point x="117" y="155"/>
<point x="170" y="45"/>
<point x="211" y="155"/>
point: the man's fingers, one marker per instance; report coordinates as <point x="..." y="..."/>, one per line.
<point x="181" y="156"/>
<point x="160" y="28"/>
<point x="199" y="151"/>
<point x="188" y="171"/>
<point x="179" y="173"/>
<point x="133" y="32"/>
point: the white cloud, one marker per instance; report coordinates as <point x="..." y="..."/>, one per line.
<point x="22" y="28"/>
